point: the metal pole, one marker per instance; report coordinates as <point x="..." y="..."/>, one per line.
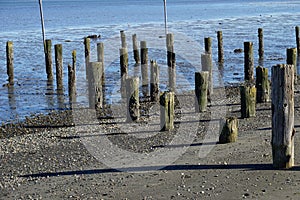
<point x="42" y="22"/>
<point x="165" y="10"/>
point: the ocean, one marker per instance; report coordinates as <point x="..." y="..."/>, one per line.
<point x="68" y="21"/>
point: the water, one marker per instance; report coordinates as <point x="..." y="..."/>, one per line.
<point x="68" y="21"/>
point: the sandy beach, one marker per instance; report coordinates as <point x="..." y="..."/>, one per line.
<point x="51" y="150"/>
<point x="55" y="163"/>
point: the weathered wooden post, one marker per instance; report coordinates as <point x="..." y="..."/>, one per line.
<point x="144" y="67"/>
<point x="167" y="111"/>
<point x="136" y="54"/>
<point x="228" y="130"/>
<point x="72" y="78"/>
<point x="100" y="52"/>
<point x="207" y="45"/>
<point x="48" y="58"/>
<point x="123" y="69"/>
<point x="171" y="61"/>
<point x="248" y="61"/>
<point x="59" y="66"/>
<point x="10" y="62"/>
<point x="201" y="87"/>
<point x="207" y="65"/>
<point x="283" y="116"/>
<point x="248" y="101"/>
<point x="87" y="53"/>
<point x="260" y="43"/>
<point x="144" y="52"/>
<point x="132" y="93"/>
<point x="123" y="39"/>
<point x="71" y="83"/>
<point x="291" y="59"/>
<point x="100" y="58"/>
<point x="74" y="59"/>
<point x="95" y="85"/>
<point x="262" y="85"/>
<point x="220" y="47"/>
<point x="297" y="39"/>
<point x="154" y="81"/>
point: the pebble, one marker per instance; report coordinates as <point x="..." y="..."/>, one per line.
<point x="246" y="195"/>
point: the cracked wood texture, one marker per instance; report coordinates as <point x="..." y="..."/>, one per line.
<point x="283" y="116"/>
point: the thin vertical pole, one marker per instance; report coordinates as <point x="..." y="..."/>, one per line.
<point x="43" y="25"/>
<point x="261" y="43"/>
<point x="165" y="11"/>
<point x="298" y="39"/>
<point x="10" y="62"/>
<point x="220" y="47"/>
<point x="249" y="61"/>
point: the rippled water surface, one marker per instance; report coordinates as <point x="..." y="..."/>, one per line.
<point x="67" y="22"/>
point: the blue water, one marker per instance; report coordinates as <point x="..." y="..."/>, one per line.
<point x="68" y="21"/>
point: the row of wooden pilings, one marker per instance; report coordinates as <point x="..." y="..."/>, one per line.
<point x="129" y="88"/>
<point x="283" y="78"/>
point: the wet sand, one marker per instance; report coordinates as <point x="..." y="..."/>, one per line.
<point x="55" y="163"/>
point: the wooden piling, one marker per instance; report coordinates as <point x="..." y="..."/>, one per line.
<point x="123" y="69"/>
<point x="59" y="66"/>
<point x="262" y="85"/>
<point x="297" y="39"/>
<point x="144" y="67"/>
<point x="167" y="111"/>
<point x="74" y="59"/>
<point x="283" y="116"/>
<point x="144" y="52"/>
<point x="72" y="78"/>
<point x="208" y="44"/>
<point x="248" y="61"/>
<point x="100" y="52"/>
<point x="71" y="83"/>
<point x="124" y="61"/>
<point x="123" y="39"/>
<point x="136" y="54"/>
<point x="220" y="47"/>
<point x="48" y="59"/>
<point x="95" y="85"/>
<point x="248" y="101"/>
<point x="229" y="130"/>
<point x="10" y="62"/>
<point x="154" y="81"/>
<point x="291" y="59"/>
<point x="100" y="58"/>
<point x="207" y="65"/>
<point x="170" y="50"/>
<point x="171" y="61"/>
<point x="87" y="53"/>
<point x="201" y="87"/>
<point x="260" y="44"/>
<point x="132" y="93"/>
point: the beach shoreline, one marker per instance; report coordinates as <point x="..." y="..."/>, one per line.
<point x="56" y="163"/>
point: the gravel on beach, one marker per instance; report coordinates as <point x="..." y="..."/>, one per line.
<point x="46" y="157"/>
